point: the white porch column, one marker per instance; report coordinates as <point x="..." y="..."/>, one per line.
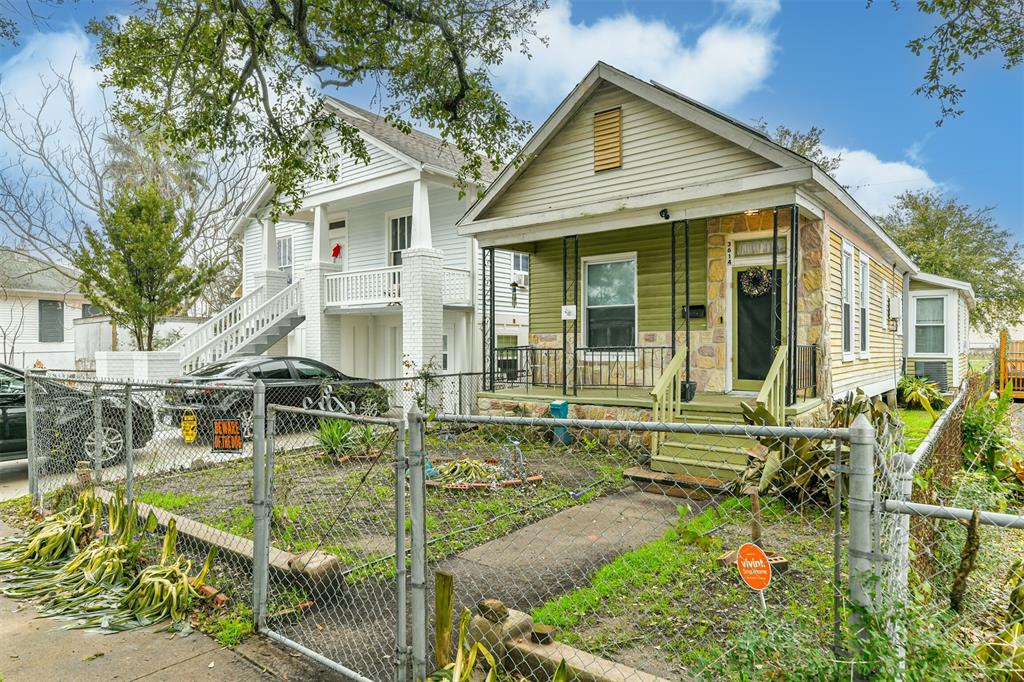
<point x="270" y="276"/>
<point x="420" y="217"/>
<point x="322" y="335"/>
<point x="422" y="281"/>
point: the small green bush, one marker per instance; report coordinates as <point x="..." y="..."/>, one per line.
<point x="920" y="392"/>
<point x="336" y="437"/>
<point x="986" y="430"/>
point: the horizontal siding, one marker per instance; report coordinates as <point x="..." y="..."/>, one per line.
<point x="660" y="151"/>
<point x="884" y="347"/>
<point x="352" y="171"/>
<point x="653" y="245"/>
<point x="503" y="290"/>
<point x="19" y="332"/>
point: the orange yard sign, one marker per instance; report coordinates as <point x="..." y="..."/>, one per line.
<point x="227" y="435"/>
<point x="753" y="565"/>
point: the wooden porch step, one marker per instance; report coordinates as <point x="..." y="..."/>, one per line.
<point x="673" y="485"/>
<point x="696" y="467"/>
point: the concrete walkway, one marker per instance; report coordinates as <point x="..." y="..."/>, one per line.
<point x="36" y="649"/>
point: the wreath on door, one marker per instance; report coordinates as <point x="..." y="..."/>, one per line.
<point x="755" y="282"/>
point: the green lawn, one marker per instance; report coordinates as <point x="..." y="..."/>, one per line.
<point x="916" y="424"/>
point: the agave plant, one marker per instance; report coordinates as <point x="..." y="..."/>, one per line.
<point x="337" y="437"/>
<point x="923" y="393"/>
<point x="461" y="670"/>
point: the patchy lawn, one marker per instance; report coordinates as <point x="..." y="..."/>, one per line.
<point x="347" y="508"/>
<point x="916" y="424"/>
<point x="669" y="609"/>
<point x="16" y="512"/>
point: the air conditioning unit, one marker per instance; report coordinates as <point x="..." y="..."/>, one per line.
<point x="895" y="307"/>
<point x="522" y="279"/>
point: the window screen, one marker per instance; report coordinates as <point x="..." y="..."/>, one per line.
<point x="51" y="321"/>
<point x="929" y="326"/>
<point x="611" y="303"/>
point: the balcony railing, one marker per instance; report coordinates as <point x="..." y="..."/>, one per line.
<point x="618" y="368"/>
<point x="383" y="286"/>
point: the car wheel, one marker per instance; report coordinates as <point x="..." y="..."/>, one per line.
<point x="112" y="445"/>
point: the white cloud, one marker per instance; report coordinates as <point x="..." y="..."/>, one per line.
<point x="727" y="60"/>
<point x="66" y="52"/>
<point x="874" y="183"/>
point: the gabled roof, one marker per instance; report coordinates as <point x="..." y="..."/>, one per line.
<point x="418" y="149"/>
<point x="946" y="283"/>
<point x="697" y="113"/>
<point x="20" y="271"/>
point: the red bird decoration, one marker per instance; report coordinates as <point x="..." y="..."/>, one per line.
<point x="336" y="251"/>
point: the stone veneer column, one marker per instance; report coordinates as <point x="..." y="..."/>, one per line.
<point x="422" y="308"/>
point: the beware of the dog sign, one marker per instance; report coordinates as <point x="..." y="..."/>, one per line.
<point x="754" y="567"/>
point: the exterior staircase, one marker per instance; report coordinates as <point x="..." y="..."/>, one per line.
<point x="709" y="460"/>
<point x="249" y="326"/>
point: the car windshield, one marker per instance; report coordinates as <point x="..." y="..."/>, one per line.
<point x="217" y="369"/>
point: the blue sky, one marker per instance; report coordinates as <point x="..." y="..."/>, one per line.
<point x="830" y="63"/>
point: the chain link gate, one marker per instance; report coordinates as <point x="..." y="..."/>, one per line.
<point x="330" y="527"/>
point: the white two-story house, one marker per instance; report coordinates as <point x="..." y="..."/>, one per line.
<point x="369" y="274"/>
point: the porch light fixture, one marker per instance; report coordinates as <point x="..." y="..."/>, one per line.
<point x="663" y="214"/>
<point x="752" y="211"/>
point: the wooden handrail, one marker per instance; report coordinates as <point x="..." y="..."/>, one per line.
<point x="666" y="396"/>
<point x="772" y="395"/>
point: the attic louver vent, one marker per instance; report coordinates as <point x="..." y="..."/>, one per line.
<point x="608" y="139"/>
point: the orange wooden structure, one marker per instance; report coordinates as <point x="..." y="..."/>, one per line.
<point x="1011" y="363"/>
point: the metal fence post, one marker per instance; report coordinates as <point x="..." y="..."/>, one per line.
<point x="417" y="516"/>
<point x="129" y="445"/>
<point x="31" y="445"/>
<point x="259" y="506"/>
<point x="401" y="611"/>
<point x="861" y="502"/>
<point x="97" y="445"/>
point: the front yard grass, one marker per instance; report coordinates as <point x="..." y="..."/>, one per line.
<point x="916" y="424"/>
<point x="669" y="609"/>
<point x="347" y="509"/>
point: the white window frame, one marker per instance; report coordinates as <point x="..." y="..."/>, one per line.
<point x="609" y="258"/>
<point x="388" y="217"/>
<point x="914" y="298"/>
<point x="846" y="299"/>
<point x="864" y="307"/>
<point x="516" y="255"/>
<point x="286" y="267"/>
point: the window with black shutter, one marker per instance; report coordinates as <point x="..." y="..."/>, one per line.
<point x="51" y="321"/>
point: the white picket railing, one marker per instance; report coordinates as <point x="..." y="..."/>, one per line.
<point x="215" y="326"/>
<point x="384" y="285"/>
<point x="245" y="330"/>
<point x="457" y="287"/>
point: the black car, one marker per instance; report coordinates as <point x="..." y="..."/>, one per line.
<point x="65" y="421"/>
<point x="207" y="394"/>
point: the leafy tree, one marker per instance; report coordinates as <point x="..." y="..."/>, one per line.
<point x="238" y="75"/>
<point x="965" y="29"/>
<point x="804" y="143"/>
<point x="948" y="238"/>
<point x="135" y="267"/>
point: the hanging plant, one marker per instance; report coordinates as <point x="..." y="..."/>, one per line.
<point x="755" y="282"/>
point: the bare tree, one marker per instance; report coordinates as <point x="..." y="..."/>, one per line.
<point x="59" y="175"/>
<point x="12" y="323"/>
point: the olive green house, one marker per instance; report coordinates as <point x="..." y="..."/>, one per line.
<point x="682" y="263"/>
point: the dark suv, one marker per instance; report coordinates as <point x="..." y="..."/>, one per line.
<point x="299" y="382"/>
<point x="65" y="421"/>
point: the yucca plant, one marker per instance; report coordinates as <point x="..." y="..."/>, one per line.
<point x="466" y="658"/>
<point x="337" y="438"/>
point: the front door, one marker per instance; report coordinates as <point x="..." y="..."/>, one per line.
<point x="752" y="319"/>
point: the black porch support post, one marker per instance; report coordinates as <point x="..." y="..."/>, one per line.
<point x="565" y="302"/>
<point x="794" y="287"/>
<point x="775" y="289"/>
<point x="672" y="304"/>
<point x="686" y="257"/>
<point x="575" y="302"/>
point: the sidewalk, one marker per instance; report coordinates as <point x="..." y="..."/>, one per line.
<point x="36" y="649"/>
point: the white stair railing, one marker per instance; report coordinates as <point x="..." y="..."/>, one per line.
<point x="247" y="329"/>
<point x="213" y="327"/>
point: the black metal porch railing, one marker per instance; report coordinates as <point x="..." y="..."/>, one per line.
<point x="616" y="367"/>
<point x="807" y="370"/>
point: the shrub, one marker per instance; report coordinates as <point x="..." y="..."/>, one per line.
<point x="986" y="430"/>
<point x="336" y="437"/>
<point x="920" y="392"/>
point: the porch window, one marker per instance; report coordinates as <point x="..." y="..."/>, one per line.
<point x="865" y="302"/>
<point x="930" y="325"/>
<point x="847" y="287"/>
<point x="610" y="301"/>
<point x="759" y="247"/>
<point x="400" y="237"/>
<point x="284" y="256"/>
<point x="444" y="352"/>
